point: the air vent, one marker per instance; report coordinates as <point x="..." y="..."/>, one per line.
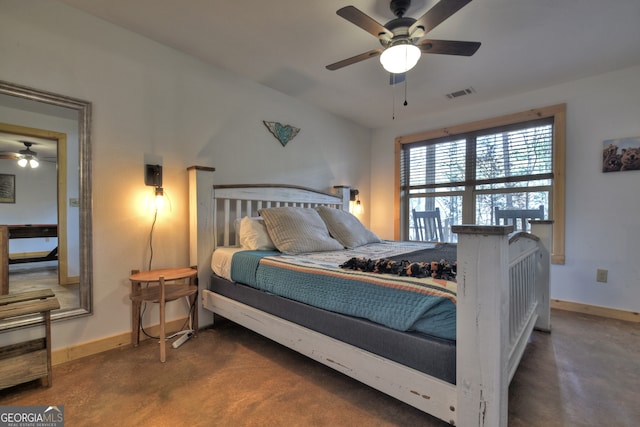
<point x="459" y="93"/>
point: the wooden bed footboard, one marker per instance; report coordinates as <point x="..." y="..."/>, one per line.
<point x="503" y="293"/>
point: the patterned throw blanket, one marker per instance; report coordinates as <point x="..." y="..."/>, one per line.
<point x="436" y="269"/>
<point x="414" y="264"/>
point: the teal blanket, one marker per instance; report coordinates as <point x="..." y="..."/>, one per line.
<point x="402" y="303"/>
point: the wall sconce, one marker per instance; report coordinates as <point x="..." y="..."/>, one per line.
<point x="354" y="196"/>
<point x="153" y="177"/>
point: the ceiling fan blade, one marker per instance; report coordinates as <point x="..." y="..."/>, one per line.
<point x="9" y="156"/>
<point x="364" y="21"/>
<point x="354" y="59"/>
<point x="449" y="47"/>
<point x="437" y="14"/>
<point x="394" y="78"/>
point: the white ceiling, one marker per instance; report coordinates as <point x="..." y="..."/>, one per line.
<point x="286" y="44"/>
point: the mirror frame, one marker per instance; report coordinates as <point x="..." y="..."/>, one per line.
<point x="84" y="193"/>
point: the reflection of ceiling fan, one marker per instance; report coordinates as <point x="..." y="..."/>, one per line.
<point x="400" y="37"/>
<point x="24" y="157"/>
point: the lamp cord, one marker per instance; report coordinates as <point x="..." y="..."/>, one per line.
<point x="153" y="225"/>
<point x="187" y="321"/>
<point x="144" y="308"/>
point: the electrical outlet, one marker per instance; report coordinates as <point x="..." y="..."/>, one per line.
<point x="601" y="275"/>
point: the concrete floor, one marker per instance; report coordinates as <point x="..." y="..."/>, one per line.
<point x="585" y="373"/>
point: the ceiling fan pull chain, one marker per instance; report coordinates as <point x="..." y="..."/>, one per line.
<point x="405" y="90"/>
<point x="393" y="104"/>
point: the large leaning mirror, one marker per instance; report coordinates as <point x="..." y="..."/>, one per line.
<point x="45" y="199"/>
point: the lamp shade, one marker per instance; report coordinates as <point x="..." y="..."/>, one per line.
<point x="400" y="57"/>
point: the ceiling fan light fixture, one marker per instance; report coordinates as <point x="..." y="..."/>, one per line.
<point x="28" y="157"/>
<point x="400" y="57"/>
<point x="30" y="160"/>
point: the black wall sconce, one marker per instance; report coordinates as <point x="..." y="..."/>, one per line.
<point x="153" y="175"/>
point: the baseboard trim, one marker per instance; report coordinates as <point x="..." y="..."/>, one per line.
<point x="595" y="310"/>
<point x="109" y="343"/>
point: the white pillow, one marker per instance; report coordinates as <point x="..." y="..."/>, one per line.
<point x="346" y="228"/>
<point x="254" y="236"/>
<point x="236" y="225"/>
<point x="295" y="230"/>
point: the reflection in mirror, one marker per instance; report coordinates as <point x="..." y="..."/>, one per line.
<point x="45" y="212"/>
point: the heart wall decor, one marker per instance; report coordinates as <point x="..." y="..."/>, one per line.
<point x="282" y="133"/>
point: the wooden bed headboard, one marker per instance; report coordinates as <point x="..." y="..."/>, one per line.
<point x="213" y="210"/>
<point x="233" y="202"/>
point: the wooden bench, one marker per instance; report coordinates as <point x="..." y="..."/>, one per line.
<point x="29" y="360"/>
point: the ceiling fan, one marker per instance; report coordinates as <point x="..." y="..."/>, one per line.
<point x="400" y="37"/>
<point x="24" y="157"/>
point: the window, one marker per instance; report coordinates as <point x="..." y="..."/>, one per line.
<point x="469" y="171"/>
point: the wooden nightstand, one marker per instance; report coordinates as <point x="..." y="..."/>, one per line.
<point x="159" y="291"/>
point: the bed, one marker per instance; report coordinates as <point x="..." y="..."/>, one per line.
<point x="501" y="294"/>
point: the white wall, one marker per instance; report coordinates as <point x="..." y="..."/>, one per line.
<point x="150" y="101"/>
<point x="602" y="226"/>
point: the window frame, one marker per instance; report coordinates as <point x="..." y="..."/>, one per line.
<point x="557" y="204"/>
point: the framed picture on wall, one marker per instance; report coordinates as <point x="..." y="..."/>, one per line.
<point x="7" y="188"/>
<point x="619" y="155"/>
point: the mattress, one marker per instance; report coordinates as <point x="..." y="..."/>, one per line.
<point x="221" y="260"/>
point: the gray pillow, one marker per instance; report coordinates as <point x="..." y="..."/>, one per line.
<point x="346" y="228"/>
<point x="295" y="230"/>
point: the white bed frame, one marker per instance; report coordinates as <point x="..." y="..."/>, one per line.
<point x="503" y="293"/>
